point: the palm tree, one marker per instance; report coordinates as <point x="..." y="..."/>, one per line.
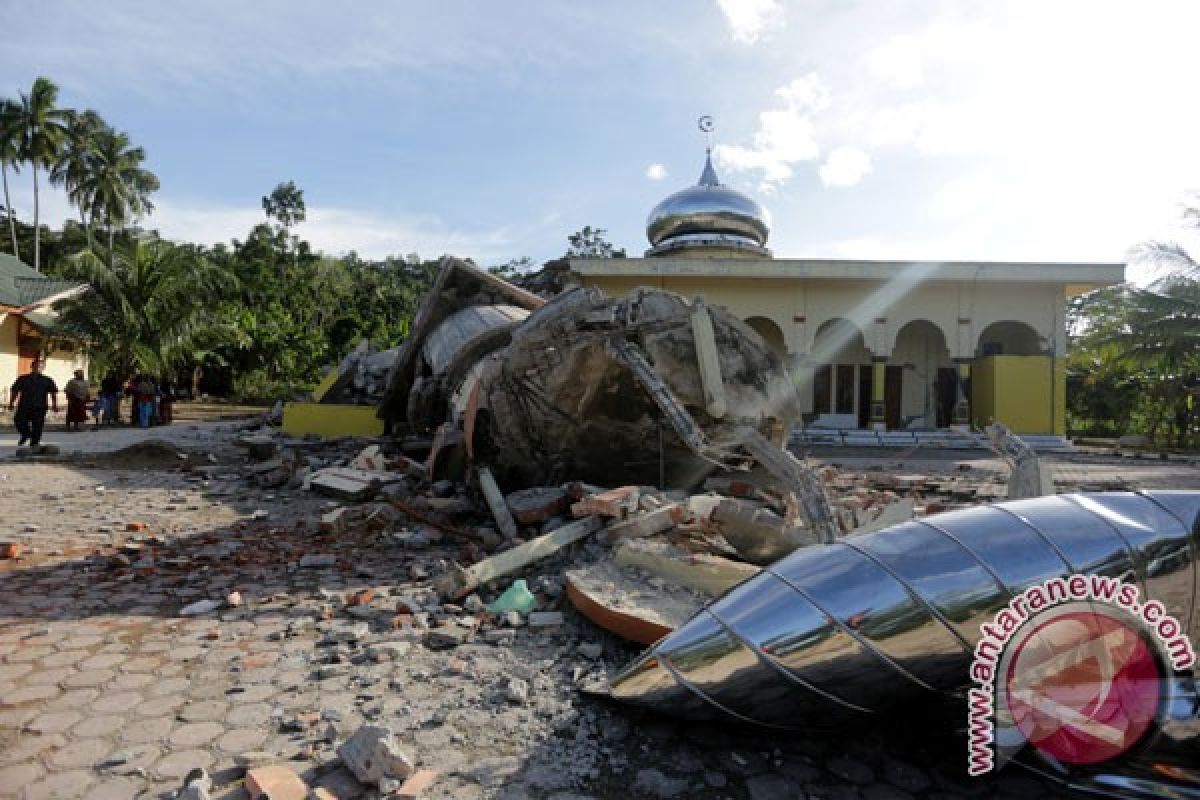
<point x="116" y="187"/>
<point x="10" y="156"/>
<point x="1169" y="255"/>
<point x="41" y="132"/>
<point x="1150" y="337"/>
<point x="75" y="162"/>
<point x="146" y="302"/>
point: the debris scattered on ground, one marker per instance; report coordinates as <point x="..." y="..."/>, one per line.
<point x="361" y="376"/>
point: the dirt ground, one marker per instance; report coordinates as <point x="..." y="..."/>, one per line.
<point x="108" y="691"/>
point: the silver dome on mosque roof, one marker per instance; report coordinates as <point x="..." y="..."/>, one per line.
<point x="708" y="214"/>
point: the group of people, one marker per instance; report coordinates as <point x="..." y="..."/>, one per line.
<point x="34" y="394"/>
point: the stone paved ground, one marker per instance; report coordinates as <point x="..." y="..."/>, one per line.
<point x="106" y="691"/>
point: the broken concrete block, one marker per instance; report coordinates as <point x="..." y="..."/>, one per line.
<point x="529" y="506"/>
<point x="447" y="635"/>
<point x="758" y="534"/>
<point x="275" y="783"/>
<point x="614" y="504"/>
<point x="334" y="484"/>
<point x="645" y="524"/>
<point x="373" y="754"/>
<point x="517" y="691"/>
<point x="369" y="458"/>
<point x="388" y="651"/>
<point x="199" y="607"/>
<point x="700" y="572"/>
<point x="335" y="521"/>
<point x="196" y="785"/>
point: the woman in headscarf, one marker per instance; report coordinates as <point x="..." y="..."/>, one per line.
<point x="77" y="391"/>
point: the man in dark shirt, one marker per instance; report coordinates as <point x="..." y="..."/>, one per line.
<point x="32" y="390"/>
<point x="110" y="394"/>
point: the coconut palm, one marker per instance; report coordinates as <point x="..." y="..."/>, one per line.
<point x="40" y="126"/>
<point x="1149" y="338"/>
<point x="75" y="162"/>
<point x="1171" y="256"/>
<point x="116" y="187"/>
<point x="10" y="157"/>
<point x="146" y="302"/>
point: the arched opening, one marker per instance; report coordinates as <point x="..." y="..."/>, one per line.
<point x="841" y="388"/>
<point x="1009" y="338"/>
<point x="771" y="334"/>
<point x="928" y="380"/>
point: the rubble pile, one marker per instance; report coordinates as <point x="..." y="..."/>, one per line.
<point x="362" y="376"/>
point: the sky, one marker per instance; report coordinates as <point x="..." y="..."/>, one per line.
<point x="911" y="129"/>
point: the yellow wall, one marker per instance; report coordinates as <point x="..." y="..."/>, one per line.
<point x="1017" y="391"/>
<point x="59" y="365"/>
<point x="330" y="421"/>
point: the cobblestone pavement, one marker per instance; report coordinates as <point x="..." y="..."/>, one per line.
<point x="107" y="691"/>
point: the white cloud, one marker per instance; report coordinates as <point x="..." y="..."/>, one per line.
<point x="785" y="136"/>
<point x="656" y="172"/>
<point x="845" y="166"/>
<point x="750" y="20"/>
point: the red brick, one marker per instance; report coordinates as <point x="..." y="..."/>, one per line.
<point x="362" y="597"/>
<point x="418" y="782"/>
<point x="275" y="783"/>
<point x="10" y="549"/>
<point x="135" y="526"/>
<point x="614" y="503"/>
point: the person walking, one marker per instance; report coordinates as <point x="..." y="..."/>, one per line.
<point x="77" y="392"/>
<point x="29" y="394"/>
<point x="166" y="402"/>
<point x="145" y="392"/>
<point x="110" y="395"/>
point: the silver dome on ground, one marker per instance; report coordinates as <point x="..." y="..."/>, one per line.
<point x="708" y="214"/>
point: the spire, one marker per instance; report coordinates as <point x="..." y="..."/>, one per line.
<point x="709" y="176"/>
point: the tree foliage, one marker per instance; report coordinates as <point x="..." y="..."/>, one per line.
<point x="1134" y="365"/>
<point x="592" y="242"/>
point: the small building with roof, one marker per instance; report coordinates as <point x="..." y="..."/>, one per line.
<point x="872" y="345"/>
<point x="29" y="324"/>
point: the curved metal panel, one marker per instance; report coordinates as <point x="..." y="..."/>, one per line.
<point x="721" y="667"/>
<point x="876" y="608"/>
<point x="1090" y="544"/>
<point x="804" y="641"/>
<point x="947" y="576"/>
<point x="1159" y="542"/>
<point x="1011" y="551"/>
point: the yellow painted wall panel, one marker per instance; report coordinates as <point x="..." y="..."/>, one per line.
<point x="330" y="421"/>
<point x="1019" y="392"/>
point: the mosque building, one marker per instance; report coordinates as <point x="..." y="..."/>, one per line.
<point x="872" y="345"/>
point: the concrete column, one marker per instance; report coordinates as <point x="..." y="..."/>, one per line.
<point x="878" y="407"/>
<point x="962" y="406"/>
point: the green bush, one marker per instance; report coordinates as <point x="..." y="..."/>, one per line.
<point x="258" y="388"/>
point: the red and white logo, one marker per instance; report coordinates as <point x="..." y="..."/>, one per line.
<point x="1083" y="686"/>
<point x="1079" y="667"/>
